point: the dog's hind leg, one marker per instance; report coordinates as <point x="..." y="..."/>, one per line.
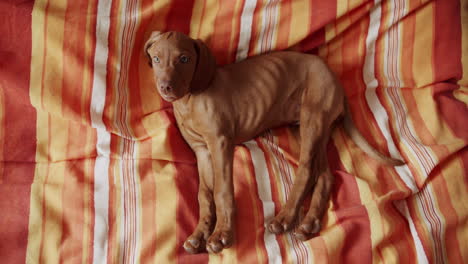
<point x="314" y="130"/>
<point x="311" y="224"/>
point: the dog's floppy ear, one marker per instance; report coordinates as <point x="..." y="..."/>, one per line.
<point x="205" y="67"/>
<point x="153" y="37"/>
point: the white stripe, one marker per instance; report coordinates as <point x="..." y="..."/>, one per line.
<point x="268" y="32"/>
<point x="101" y="169"/>
<point x="430" y="215"/>
<point x="245" y="29"/>
<point x="382" y="120"/>
<point x="264" y="191"/>
<point x="424" y="156"/>
<point x="298" y="251"/>
<point x="373" y="101"/>
<point x="403" y="208"/>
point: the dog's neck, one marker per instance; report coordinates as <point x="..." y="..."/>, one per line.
<point x="201" y="81"/>
<point x="182" y="106"/>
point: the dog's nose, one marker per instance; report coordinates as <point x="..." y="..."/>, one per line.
<point x="165" y="87"/>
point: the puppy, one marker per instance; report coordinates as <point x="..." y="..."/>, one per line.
<point x="219" y="107"/>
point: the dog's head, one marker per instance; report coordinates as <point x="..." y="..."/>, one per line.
<point x="181" y="65"/>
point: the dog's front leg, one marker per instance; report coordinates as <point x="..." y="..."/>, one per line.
<point x="221" y="148"/>
<point x="196" y="242"/>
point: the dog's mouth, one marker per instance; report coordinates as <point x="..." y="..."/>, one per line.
<point x="168" y="97"/>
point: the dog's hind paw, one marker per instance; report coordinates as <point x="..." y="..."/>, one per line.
<point x="283" y="222"/>
<point x="307" y="229"/>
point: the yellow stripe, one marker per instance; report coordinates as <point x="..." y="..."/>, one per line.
<point x="333" y="235"/>
<point x="422" y="72"/>
<point x="35" y="219"/>
<point x="455" y="177"/>
<point x="37" y="189"/>
<point x="461" y="94"/>
<point x="195" y="22"/>
<point x="54" y="58"/>
<point x="439" y="131"/>
<point x="166" y="190"/>
<point x="53" y="214"/>
<point x="118" y="232"/>
<point x="37" y="52"/>
<point x="341" y="7"/>
<point x="208" y="19"/>
<point x="47" y="188"/>
<point x="299" y="25"/>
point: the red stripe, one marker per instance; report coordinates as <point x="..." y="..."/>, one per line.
<point x="399" y="237"/>
<point x="19" y="128"/>
<point x="447" y="65"/>
<point x="187" y="181"/>
<point x="179" y="16"/>
<point x="321" y="14"/>
<point x="351" y="215"/>
<point x="223" y="32"/>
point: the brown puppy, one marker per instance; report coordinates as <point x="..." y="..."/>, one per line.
<point x="217" y="108"/>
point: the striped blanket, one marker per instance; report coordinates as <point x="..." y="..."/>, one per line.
<point x="94" y="170"/>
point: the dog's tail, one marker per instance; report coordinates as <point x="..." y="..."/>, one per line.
<point x="361" y="142"/>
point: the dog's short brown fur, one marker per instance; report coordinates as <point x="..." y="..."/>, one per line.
<point x="219" y="107"/>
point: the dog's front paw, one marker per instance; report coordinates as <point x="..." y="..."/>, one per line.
<point x="196" y="242"/>
<point x="219" y="240"/>
<point x="283" y="222"/>
<point x="309" y="227"/>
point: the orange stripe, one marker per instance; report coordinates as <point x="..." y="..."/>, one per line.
<point x="284" y="25"/>
<point x="73" y="71"/>
<point x="421" y="227"/>
<point x="88" y="67"/>
<point x="115" y="233"/>
<point x="277" y="195"/>
<point x="449" y="215"/>
<point x="73" y="200"/>
<point x="222" y="34"/>
<point x="249" y="216"/>
<point x="113" y="58"/>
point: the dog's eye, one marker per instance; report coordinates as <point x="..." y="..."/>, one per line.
<point x="156" y="59"/>
<point x="184" y="59"/>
